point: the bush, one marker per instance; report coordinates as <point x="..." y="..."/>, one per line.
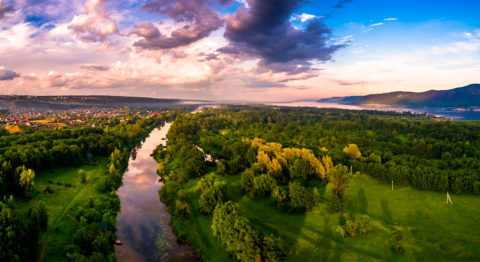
<point x="396" y="238"/>
<point x="476" y="187"/>
<point x="83" y="176"/>
<point x="182" y="208"/>
<point x="360" y="225"/>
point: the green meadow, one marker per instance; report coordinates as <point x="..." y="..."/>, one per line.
<point x="68" y="194"/>
<point x="432" y="230"/>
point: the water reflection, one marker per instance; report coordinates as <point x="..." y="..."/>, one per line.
<point x="142" y="224"/>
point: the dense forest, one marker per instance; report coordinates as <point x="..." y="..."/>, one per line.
<point x="297" y="159"/>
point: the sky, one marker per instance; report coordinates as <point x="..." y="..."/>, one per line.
<point x="256" y="50"/>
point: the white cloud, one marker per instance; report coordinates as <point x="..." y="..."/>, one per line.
<point x="96" y="25"/>
<point x="376" y="24"/>
<point x="305" y="17"/>
<point x="244" y="2"/>
<point x="390" y="19"/>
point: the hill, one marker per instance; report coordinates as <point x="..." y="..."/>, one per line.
<point x="464" y="97"/>
<point x="19" y="102"/>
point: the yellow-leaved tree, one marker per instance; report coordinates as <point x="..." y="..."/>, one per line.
<point x="353" y="151"/>
<point x="26" y="179"/>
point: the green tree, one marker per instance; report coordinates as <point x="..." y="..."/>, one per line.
<point x="27" y="177"/>
<point x="300" y="170"/>
<point x="272" y="249"/>
<point x="300" y="198"/>
<point x="339" y="178"/>
<point x="263" y="185"/>
<point x="247" y="181"/>
<point x="235" y="233"/>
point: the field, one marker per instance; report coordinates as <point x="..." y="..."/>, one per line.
<point x="68" y="192"/>
<point x="432" y="230"/>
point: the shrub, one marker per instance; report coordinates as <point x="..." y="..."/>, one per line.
<point x="476" y="187"/>
<point x="396" y="238"/>
<point x="360" y="225"/>
<point x="182" y="208"/>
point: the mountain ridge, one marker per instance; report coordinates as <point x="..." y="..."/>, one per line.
<point x="460" y="97"/>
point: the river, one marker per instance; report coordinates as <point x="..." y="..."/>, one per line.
<point x="143" y="222"/>
<point x="438" y="112"/>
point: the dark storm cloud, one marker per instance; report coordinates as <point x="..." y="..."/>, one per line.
<point x="341" y="3"/>
<point x="200" y="18"/>
<point x="6" y="74"/>
<point x="5" y="9"/>
<point x="264" y="30"/>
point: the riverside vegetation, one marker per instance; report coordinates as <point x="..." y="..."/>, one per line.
<point x="302" y="184"/>
<point x="58" y="198"/>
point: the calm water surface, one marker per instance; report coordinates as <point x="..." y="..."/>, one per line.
<point x="439" y="112"/>
<point x="142" y="224"/>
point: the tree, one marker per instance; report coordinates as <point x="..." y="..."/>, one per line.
<point x="221" y="169"/>
<point x="209" y="198"/>
<point x="272" y="249"/>
<point x="26" y="179"/>
<point x="327" y="163"/>
<point x="247" y="181"/>
<point x="353" y="151"/>
<point x="212" y="193"/>
<point x="300" y="198"/>
<point x="339" y="178"/>
<point x="300" y="170"/>
<point x="12" y="232"/>
<point x="263" y="185"/>
<point x="235" y="233"/>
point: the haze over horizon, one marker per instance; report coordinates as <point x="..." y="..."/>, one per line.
<point x="236" y="50"/>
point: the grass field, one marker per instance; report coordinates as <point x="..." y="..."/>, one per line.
<point x="433" y="230"/>
<point x="61" y="224"/>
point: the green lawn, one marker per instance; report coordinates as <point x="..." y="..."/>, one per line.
<point x="433" y="230"/>
<point x="61" y="225"/>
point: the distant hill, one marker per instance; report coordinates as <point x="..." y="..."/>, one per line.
<point x="462" y="97"/>
<point x="9" y="102"/>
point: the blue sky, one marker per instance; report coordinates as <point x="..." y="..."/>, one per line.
<point x="243" y="49"/>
